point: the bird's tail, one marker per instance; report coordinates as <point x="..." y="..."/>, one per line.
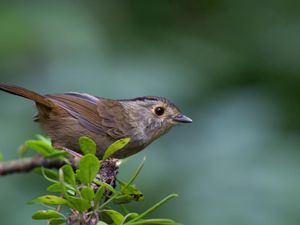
<point x="23" y="92"/>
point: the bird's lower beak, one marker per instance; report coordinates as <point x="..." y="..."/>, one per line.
<point x="182" y="119"/>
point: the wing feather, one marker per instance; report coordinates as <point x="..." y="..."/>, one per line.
<point x="99" y="115"/>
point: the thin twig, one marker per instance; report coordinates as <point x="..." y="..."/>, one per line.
<point x="28" y="164"/>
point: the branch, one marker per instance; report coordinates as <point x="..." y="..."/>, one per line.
<point x="28" y="164"/>
<point x="107" y="174"/>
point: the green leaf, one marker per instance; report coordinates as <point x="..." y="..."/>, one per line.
<point x="129" y="191"/>
<point x="87" y="193"/>
<point x="40" y="147"/>
<point x="66" y="187"/>
<point x="46" y="214"/>
<point x="109" y="187"/>
<point x="116" y="217"/>
<point x="68" y="174"/>
<point x="87" y="145"/>
<point x="122" y="199"/>
<point x="89" y="166"/>
<point x="132" y="191"/>
<point x="22" y="150"/>
<point x="114" y="147"/>
<point x="49" y="199"/>
<point x="126" y="198"/>
<point x="56" y="187"/>
<point x="57" y="221"/>
<point x="57" y="154"/>
<point x="79" y="204"/>
<point x="59" y="188"/>
<point x="98" y="196"/>
<point x="46" y="140"/>
<point x="1" y="156"/>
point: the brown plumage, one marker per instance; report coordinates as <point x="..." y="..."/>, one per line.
<point x="68" y="116"/>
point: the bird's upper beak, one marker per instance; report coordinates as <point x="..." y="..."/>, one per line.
<point x="182" y="119"/>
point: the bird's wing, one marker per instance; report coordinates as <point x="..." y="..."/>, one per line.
<point x="95" y="114"/>
<point x="114" y="118"/>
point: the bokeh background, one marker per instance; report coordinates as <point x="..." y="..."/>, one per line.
<point x="233" y="66"/>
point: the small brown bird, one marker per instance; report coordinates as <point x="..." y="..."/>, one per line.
<point x="68" y="116"/>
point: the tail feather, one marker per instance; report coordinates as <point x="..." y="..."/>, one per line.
<point x="23" y="92"/>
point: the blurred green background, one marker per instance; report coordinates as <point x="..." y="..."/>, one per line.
<point x="233" y="66"/>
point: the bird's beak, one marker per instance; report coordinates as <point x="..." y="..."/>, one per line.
<point x="182" y="119"/>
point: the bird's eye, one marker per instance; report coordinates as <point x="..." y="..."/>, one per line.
<point x="159" y="111"/>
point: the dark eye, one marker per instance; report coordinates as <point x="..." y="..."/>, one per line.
<point x="159" y="111"/>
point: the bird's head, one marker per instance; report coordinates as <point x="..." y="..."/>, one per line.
<point x="155" y="115"/>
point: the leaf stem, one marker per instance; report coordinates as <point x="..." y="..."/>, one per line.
<point x="135" y="174"/>
<point x="155" y="206"/>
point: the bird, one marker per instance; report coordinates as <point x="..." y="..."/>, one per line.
<point x="68" y="116"/>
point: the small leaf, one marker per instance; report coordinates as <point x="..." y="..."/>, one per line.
<point x="122" y="199"/>
<point x="40" y="147"/>
<point x="49" y="199"/>
<point x="116" y="217"/>
<point x="87" y="145"/>
<point x="46" y="214"/>
<point x="59" y="188"/>
<point x="1" y="156"/>
<point x="57" y="154"/>
<point x="132" y="191"/>
<point x="57" y="221"/>
<point x="46" y="140"/>
<point x="56" y="187"/>
<point x="66" y="187"/>
<point x="87" y="193"/>
<point x="89" y="166"/>
<point x="79" y="204"/>
<point x="116" y="146"/>
<point x="22" y="150"/>
<point x="99" y="196"/>
<point x="69" y="176"/>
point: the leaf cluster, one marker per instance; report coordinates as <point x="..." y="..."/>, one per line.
<point x="75" y="190"/>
